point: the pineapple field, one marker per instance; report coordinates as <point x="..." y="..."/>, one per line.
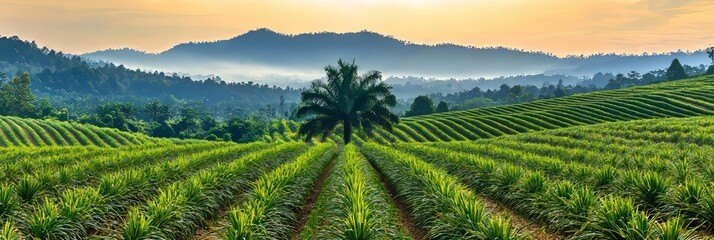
<point x="634" y="163"/>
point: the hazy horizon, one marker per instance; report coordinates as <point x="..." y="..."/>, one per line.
<point x="559" y="27"/>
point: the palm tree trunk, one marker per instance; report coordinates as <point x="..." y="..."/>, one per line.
<point x="347" y="135"/>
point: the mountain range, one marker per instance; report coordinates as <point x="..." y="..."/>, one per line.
<point x="266" y="56"/>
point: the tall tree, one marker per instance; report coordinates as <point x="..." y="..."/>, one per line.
<point x="354" y="101"/>
<point x="559" y="92"/>
<point x="422" y="105"/>
<point x="442" y="107"/>
<point x="158" y="112"/>
<point x="282" y="112"/>
<point x="16" y="97"/>
<point x="46" y="110"/>
<point x="710" y="52"/>
<point x="676" y="71"/>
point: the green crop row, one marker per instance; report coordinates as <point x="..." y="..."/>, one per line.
<point x="441" y="205"/>
<point x="570" y="209"/>
<point x="180" y="209"/>
<point x="17" y="132"/>
<point x="86" y="210"/>
<point x="270" y="210"/>
<point x="659" y="167"/>
<point x="353" y="204"/>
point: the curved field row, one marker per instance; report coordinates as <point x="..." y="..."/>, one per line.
<point x="18" y="132"/>
<point x="595" y="181"/>
<point x="685" y="98"/>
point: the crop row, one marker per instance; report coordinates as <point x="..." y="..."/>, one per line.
<point x="439" y="204"/>
<point x="353" y="204"/>
<point x="646" y="102"/>
<point x="658" y="175"/>
<point x="183" y="207"/>
<point x="17" y="132"/>
<point x="94" y="208"/>
<point x="570" y="208"/>
<point x="270" y="209"/>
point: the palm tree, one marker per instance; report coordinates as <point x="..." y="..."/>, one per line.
<point x="354" y="101"/>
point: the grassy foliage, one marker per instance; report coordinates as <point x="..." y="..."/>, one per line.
<point x="352" y="204"/>
<point x="574" y="180"/>
<point x="185" y="206"/>
<point x="270" y="210"/>
<point x="439" y="203"/>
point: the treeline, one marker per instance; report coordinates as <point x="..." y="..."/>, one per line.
<point x="153" y="118"/>
<point x="57" y="74"/>
<point x="506" y="94"/>
<point x="163" y="120"/>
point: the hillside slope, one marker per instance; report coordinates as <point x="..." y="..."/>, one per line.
<point x="70" y="80"/>
<point x="685" y="98"/>
<point x="17" y="132"/>
<point x="307" y="53"/>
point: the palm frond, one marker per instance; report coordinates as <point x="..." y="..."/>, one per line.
<point x="349" y="100"/>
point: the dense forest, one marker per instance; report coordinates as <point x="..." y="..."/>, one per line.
<point x="153" y="118"/>
<point x="68" y="80"/>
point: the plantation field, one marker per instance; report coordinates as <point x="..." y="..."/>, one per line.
<point x="635" y="163"/>
<point x="646" y="179"/>
<point x="684" y="98"/>
<point x="18" y="132"/>
<point x="631" y="180"/>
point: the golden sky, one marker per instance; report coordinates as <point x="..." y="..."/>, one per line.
<point x="557" y="26"/>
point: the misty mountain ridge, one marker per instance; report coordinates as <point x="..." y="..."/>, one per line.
<point x="269" y="57"/>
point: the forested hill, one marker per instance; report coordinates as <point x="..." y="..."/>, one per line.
<point x="310" y="52"/>
<point x="54" y="72"/>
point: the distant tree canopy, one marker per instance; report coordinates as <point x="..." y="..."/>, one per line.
<point x="676" y="71"/>
<point x="73" y="79"/>
<point x="16" y="96"/>
<point x="158" y="112"/>
<point x="422" y="105"/>
<point x="442" y="107"/>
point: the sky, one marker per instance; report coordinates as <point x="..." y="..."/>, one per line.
<point x="561" y="27"/>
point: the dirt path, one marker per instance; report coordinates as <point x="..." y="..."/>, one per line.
<point x="314" y="195"/>
<point x="404" y="219"/>
<point x="213" y="231"/>
<point x="520" y="224"/>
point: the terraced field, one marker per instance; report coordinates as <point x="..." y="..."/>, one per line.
<point x="18" y="132"/>
<point x="684" y="98"/>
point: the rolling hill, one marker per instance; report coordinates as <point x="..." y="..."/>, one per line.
<point x="684" y="98"/>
